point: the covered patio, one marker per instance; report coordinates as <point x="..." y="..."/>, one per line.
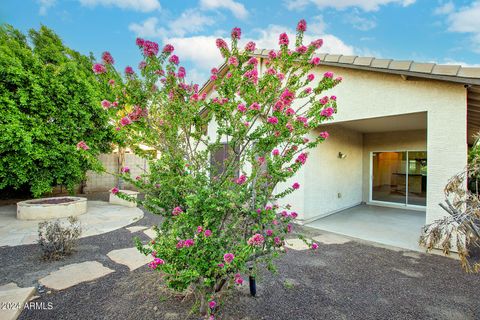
<point x="391" y="226"/>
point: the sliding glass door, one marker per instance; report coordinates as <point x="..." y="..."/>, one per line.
<point x="399" y="177"/>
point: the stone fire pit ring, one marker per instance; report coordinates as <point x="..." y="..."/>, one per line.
<point x="51" y="208"/>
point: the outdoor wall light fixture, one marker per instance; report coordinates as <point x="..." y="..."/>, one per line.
<point x="342" y="155"/>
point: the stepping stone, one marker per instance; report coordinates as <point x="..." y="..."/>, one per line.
<point x="330" y="238"/>
<point x="130" y="257"/>
<point x="13" y="299"/>
<point x="152" y="234"/>
<point x="136" y="228"/>
<point x="409" y="273"/>
<point x="410" y="254"/>
<point x="74" y="274"/>
<point x="296" y="244"/>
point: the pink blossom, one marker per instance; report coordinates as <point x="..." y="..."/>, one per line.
<point x="275" y="222"/>
<point x="327" y="112"/>
<point x="250" y="47"/>
<point x="294" y="215"/>
<point x="188" y="243"/>
<point x="284" y="213"/>
<point x="168" y="48"/>
<point x="302" y="119"/>
<point x="314" y="246"/>
<point x="212" y="304"/>
<point x="139" y="42"/>
<point x="334" y="98"/>
<point x="280" y="76"/>
<point x="106" y="104"/>
<point x="158" y="261"/>
<point x="220" y="265"/>
<point x="252" y="75"/>
<point x="315" y="61"/>
<point x="207" y="233"/>
<point x="289" y="112"/>
<point x="289" y="228"/>
<point x="283" y="39"/>
<point x="138" y="178"/>
<point x="301" y="49"/>
<point x="328" y="74"/>
<point x="246" y="124"/>
<point x="296" y="185"/>
<point x="275" y="152"/>
<point x="107" y="58"/>
<point x="174" y="59"/>
<point x="236" y="33"/>
<point x="111" y="82"/>
<point x="306" y="140"/>
<point x="129" y="70"/>
<point x="272" y="54"/>
<point x="338" y="79"/>
<point x="317" y="43"/>
<point x="176" y="211"/>
<point x="213" y="77"/>
<point x="324" y="100"/>
<point x="272" y="120"/>
<point x="302" y="158"/>
<point x="238" y="279"/>
<point x="125" y="121"/>
<point x="269" y="232"/>
<point x="221" y="44"/>
<point x="261" y="160"/>
<point x="289" y="126"/>
<point x="214" y="71"/>
<point x="125" y="170"/>
<point x="324" y="134"/>
<point x="99" y="68"/>
<point x="241" y="107"/>
<point x="114" y="190"/>
<point x="142" y="65"/>
<point x="310" y="77"/>
<point x="233" y="61"/>
<point x="302" y="26"/>
<point x="256" y="240"/>
<point x="82" y="145"/>
<point x="241" y="180"/>
<point x="181" y="72"/>
<point x="287" y="97"/>
<point x="179" y="244"/>
<point x="228" y="257"/>
<point x="150" y="48"/>
<point x="254" y="106"/>
<point x="308" y="90"/>
<point x="271" y="71"/>
<point x="199" y="229"/>
<point x="277" y="241"/>
<point x="253" y="61"/>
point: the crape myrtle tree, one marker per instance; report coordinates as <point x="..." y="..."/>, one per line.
<point x="49" y="101"/>
<point x="220" y="219"/>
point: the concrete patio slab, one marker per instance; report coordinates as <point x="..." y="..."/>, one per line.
<point x="13" y="299"/>
<point x="136" y="228"/>
<point x="129" y="257"/>
<point x="388" y="226"/>
<point x="101" y="217"/>
<point x="331" y="238"/>
<point x="74" y="274"/>
<point x="296" y="244"/>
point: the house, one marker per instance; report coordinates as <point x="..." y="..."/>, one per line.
<point x="401" y="132"/>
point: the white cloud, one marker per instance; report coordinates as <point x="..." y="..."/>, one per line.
<point x="359" y="22"/>
<point x="465" y="20"/>
<point x="366" y="5"/>
<point x="137" y="5"/>
<point x="236" y="8"/>
<point x="45" y="5"/>
<point x="447" y="8"/>
<point x="190" y="21"/>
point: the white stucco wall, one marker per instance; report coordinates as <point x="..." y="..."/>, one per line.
<point x="365" y="94"/>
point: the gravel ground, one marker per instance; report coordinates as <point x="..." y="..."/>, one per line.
<point x="355" y="280"/>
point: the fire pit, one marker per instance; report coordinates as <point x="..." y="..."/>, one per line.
<point x="51" y="208"/>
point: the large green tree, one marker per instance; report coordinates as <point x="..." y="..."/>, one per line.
<point x="49" y="101"/>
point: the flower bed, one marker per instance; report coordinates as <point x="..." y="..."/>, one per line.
<point x="51" y="208"/>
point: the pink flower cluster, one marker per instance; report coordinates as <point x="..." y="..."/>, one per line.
<point x="181" y="73"/>
<point x="228" y="257"/>
<point x="241" y="108"/>
<point x="114" y="190"/>
<point x="221" y="44"/>
<point x="129" y="70"/>
<point x="82" y="145"/>
<point x="302" y="26"/>
<point x="296" y="186"/>
<point x="327" y="112"/>
<point x="315" y="61"/>
<point x="317" y="43"/>
<point x="241" y="180"/>
<point x="233" y="61"/>
<point x="236" y="33"/>
<point x="272" y="120"/>
<point x="238" y="279"/>
<point x="302" y="158"/>
<point x="99" y="68"/>
<point x="256" y="240"/>
<point x="324" y="135"/>
<point x="250" y="47"/>
<point x="168" y="48"/>
<point x="125" y="170"/>
<point x="125" y="121"/>
<point x="176" y="211"/>
<point x="155" y="263"/>
<point x="107" y="58"/>
<point x="185" y="243"/>
<point x="174" y="59"/>
<point x="252" y="75"/>
<point x="150" y="48"/>
<point x="283" y="39"/>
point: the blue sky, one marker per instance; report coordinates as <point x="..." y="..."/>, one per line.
<point x="423" y="30"/>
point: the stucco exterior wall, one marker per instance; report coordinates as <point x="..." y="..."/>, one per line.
<point x="333" y="184"/>
<point x="390" y="141"/>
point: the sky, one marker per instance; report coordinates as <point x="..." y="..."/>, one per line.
<point x="440" y="31"/>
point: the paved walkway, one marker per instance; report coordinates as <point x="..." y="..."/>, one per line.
<point x="101" y="217"/>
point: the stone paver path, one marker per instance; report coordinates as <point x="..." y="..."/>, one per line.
<point x="73" y="274"/>
<point x="13" y="299"/>
<point x="136" y="228"/>
<point x="296" y="244"/>
<point x="150" y="233"/>
<point x="130" y="257"/>
<point x="101" y="217"/>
